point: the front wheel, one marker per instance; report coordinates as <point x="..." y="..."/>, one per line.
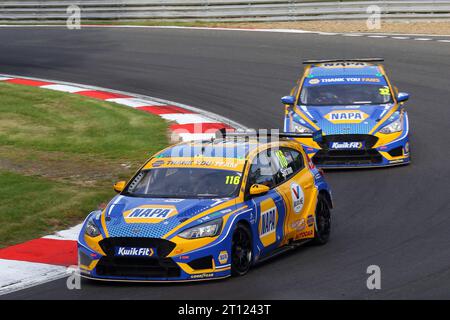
<point x="241" y="251"/>
<point x="322" y="221"/>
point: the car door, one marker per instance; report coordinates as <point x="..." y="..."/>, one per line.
<point x="269" y="207"/>
<point x="296" y="186"/>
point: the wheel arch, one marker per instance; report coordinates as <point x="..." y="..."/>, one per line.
<point x="326" y="194"/>
<point x="246" y="223"/>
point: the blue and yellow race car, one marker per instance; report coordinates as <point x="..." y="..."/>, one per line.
<point x="360" y="113"/>
<point x="207" y="210"/>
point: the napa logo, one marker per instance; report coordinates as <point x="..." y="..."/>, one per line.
<point x="223" y="257"/>
<point x="268" y="222"/>
<point x="149" y="214"/>
<point x="346" y="116"/>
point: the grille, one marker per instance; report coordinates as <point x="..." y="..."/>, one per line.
<point x="351" y="157"/>
<point x="201" y="263"/>
<point x="396" y="152"/>
<point x="369" y="140"/>
<point x="163" y="247"/>
<point x="138" y="267"/>
<point x="84" y="259"/>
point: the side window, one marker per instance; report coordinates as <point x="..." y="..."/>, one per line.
<point x="288" y="162"/>
<point x="297" y="159"/>
<point x="261" y="170"/>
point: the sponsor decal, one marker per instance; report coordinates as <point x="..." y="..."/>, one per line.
<point x="149" y="214"/>
<point x="202" y="276"/>
<point x="268" y="220"/>
<point x="134" y="252"/>
<point x="305" y="234"/>
<point x="406" y="149"/>
<point x="178" y="251"/>
<point x="203" y="163"/>
<point x="298" y="225"/>
<point x="346" y="116"/>
<point x="173" y="200"/>
<point x="346" y="145"/>
<point x="310" y="220"/>
<point x="314" y="81"/>
<point x="343" y="64"/>
<point x="298" y="197"/>
<point x="157" y="163"/>
<point x="286" y="171"/>
<point x="223" y="257"/>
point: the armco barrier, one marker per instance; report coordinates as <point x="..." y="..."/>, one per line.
<point x="218" y="10"/>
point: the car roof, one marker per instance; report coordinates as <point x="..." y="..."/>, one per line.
<point x="228" y="148"/>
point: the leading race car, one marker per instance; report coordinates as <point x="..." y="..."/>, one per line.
<point x="360" y="113"/>
<point x="207" y="210"/>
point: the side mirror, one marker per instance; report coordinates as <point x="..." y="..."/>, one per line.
<point x="119" y="186"/>
<point x="402" y="97"/>
<point x="289" y="100"/>
<point x="258" y="189"/>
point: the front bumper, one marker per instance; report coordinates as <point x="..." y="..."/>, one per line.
<point x="210" y="262"/>
<point x="392" y="153"/>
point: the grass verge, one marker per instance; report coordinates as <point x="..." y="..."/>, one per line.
<point x="432" y="27"/>
<point x="60" y="154"/>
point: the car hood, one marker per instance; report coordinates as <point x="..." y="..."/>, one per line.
<point x="147" y="217"/>
<point x="346" y="119"/>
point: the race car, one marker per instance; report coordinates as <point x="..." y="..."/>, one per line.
<point x="207" y="210"/>
<point x="362" y="116"/>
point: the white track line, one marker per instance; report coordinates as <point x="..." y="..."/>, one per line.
<point x="63" y="88"/>
<point x="185" y="118"/>
<point x="69" y="234"/>
<point x="135" y="103"/>
<point x="18" y="275"/>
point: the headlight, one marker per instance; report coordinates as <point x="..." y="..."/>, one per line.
<point x="91" y="228"/>
<point x="295" y="127"/>
<point x="208" y="229"/>
<point x="395" y="126"/>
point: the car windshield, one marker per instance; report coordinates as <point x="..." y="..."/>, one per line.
<point x="345" y="94"/>
<point x="185" y="183"/>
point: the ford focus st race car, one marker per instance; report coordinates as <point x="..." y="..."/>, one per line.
<point x="207" y="210"/>
<point x="361" y="115"/>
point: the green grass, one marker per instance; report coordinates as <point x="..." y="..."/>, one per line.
<point x="60" y="155"/>
<point x="33" y="206"/>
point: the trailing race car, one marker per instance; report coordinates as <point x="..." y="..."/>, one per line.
<point x="361" y="115"/>
<point x="207" y="210"/>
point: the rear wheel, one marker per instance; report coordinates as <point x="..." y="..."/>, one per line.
<point x="322" y="221"/>
<point x="241" y="251"/>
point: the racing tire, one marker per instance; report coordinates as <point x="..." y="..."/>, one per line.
<point x="322" y="221"/>
<point x="241" y="250"/>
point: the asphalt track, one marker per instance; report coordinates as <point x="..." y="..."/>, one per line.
<point x="397" y="218"/>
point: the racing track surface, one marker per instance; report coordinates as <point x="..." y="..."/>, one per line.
<point x="397" y="218"/>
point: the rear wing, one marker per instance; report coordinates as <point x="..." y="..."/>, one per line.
<point x="344" y="60"/>
<point x="267" y="134"/>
